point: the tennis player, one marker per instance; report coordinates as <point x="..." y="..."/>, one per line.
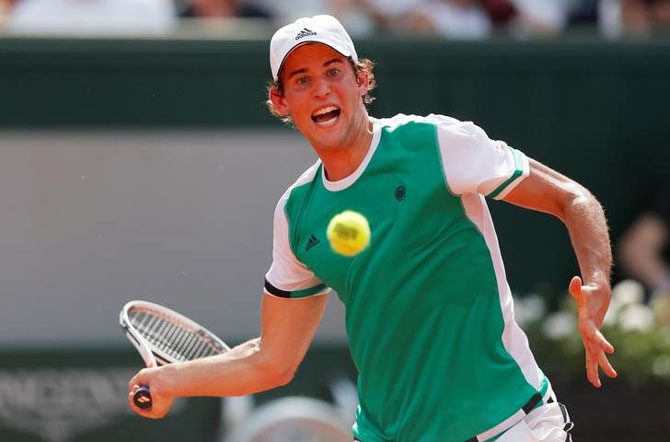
<point x="429" y="313"/>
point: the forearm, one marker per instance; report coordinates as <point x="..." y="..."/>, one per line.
<point x="586" y="223"/>
<point x="245" y="369"/>
<point x="546" y="190"/>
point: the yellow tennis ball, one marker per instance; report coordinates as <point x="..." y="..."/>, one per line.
<point x="348" y="233"/>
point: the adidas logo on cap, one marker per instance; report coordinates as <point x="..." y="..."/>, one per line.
<point x="304" y="33"/>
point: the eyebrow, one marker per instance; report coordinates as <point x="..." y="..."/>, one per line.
<point x="334" y="60"/>
<point x="303" y="70"/>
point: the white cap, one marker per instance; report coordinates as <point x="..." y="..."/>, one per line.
<point x="320" y="28"/>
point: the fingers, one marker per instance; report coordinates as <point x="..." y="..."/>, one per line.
<point x="592" y="336"/>
<point x="599" y="340"/>
<point x="592" y="369"/>
<point x="136" y="381"/>
<point x="143" y="377"/>
<point x="133" y="386"/>
<point x="160" y="402"/>
<point x="592" y="299"/>
<point x="596" y="346"/>
<point x="160" y="406"/>
<point x="131" y="402"/>
<point x="134" y="407"/>
<point x="133" y="383"/>
<point x="575" y="289"/>
<point x="596" y="358"/>
<point x="605" y="365"/>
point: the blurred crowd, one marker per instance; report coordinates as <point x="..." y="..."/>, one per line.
<point x="459" y="19"/>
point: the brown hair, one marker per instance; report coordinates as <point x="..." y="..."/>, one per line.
<point x="362" y="65"/>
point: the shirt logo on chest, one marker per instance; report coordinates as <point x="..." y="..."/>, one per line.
<point x="313" y="240"/>
<point x="400" y="193"/>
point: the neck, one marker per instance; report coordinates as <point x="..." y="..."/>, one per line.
<point x="342" y="161"/>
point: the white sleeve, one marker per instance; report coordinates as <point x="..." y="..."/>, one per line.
<point x="473" y="163"/>
<point x="288" y="277"/>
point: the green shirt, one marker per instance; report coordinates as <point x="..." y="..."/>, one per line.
<point x="429" y="314"/>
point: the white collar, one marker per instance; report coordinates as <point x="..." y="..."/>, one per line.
<point x="335" y="186"/>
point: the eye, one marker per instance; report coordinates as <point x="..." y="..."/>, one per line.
<point x="303" y="80"/>
<point x="334" y="72"/>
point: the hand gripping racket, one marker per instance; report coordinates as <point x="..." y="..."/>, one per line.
<point x="163" y="336"/>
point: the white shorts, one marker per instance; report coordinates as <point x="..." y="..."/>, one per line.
<point x="547" y="423"/>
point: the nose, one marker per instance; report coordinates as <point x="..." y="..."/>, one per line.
<point x="321" y="88"/>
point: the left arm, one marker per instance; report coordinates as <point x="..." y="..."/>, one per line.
<point x="548" y="191"/>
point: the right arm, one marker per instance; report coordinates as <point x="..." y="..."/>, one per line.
<point x="263" y="363"/>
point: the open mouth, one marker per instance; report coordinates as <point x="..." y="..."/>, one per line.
<point x="326" y="116"/>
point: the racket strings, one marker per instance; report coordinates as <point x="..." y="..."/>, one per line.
<point x="172" y="339"/>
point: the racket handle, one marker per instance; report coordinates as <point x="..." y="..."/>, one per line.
<point x="142" y="397"/>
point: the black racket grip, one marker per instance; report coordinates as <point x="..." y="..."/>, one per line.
<point x="142" y="398"/>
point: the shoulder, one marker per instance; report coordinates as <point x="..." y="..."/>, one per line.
<point x="399" y="120"/>
<point x="443" y="130"/>
<point x="445" y="124"/>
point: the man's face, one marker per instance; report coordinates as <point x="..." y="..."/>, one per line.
<point x="322" y="95"/>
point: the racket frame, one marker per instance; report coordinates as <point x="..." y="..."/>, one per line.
<point x="152" y="355"/>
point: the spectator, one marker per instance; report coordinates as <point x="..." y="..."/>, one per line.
<point x="466" y="19"/>
<point x="367" y="17"/>
<point x="644" y="249"/>
<point x="5" y="6"/>
<point x="288" y="10"/>
<point x="224" y="8"/>
<point x="500" y="11"/>
<point x="541" y="17"/>
<point x="91" y="17"/>
<point x="633" y="17"/>
<point x="583" y="13"/>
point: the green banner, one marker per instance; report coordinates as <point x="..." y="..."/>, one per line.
<point x="77" y="396"/>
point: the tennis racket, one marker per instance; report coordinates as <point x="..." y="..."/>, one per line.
<point x="163" y="336"/>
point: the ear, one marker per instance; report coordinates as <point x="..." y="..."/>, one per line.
<point x="279" y="101"/>
<point x="363" y="82"/>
